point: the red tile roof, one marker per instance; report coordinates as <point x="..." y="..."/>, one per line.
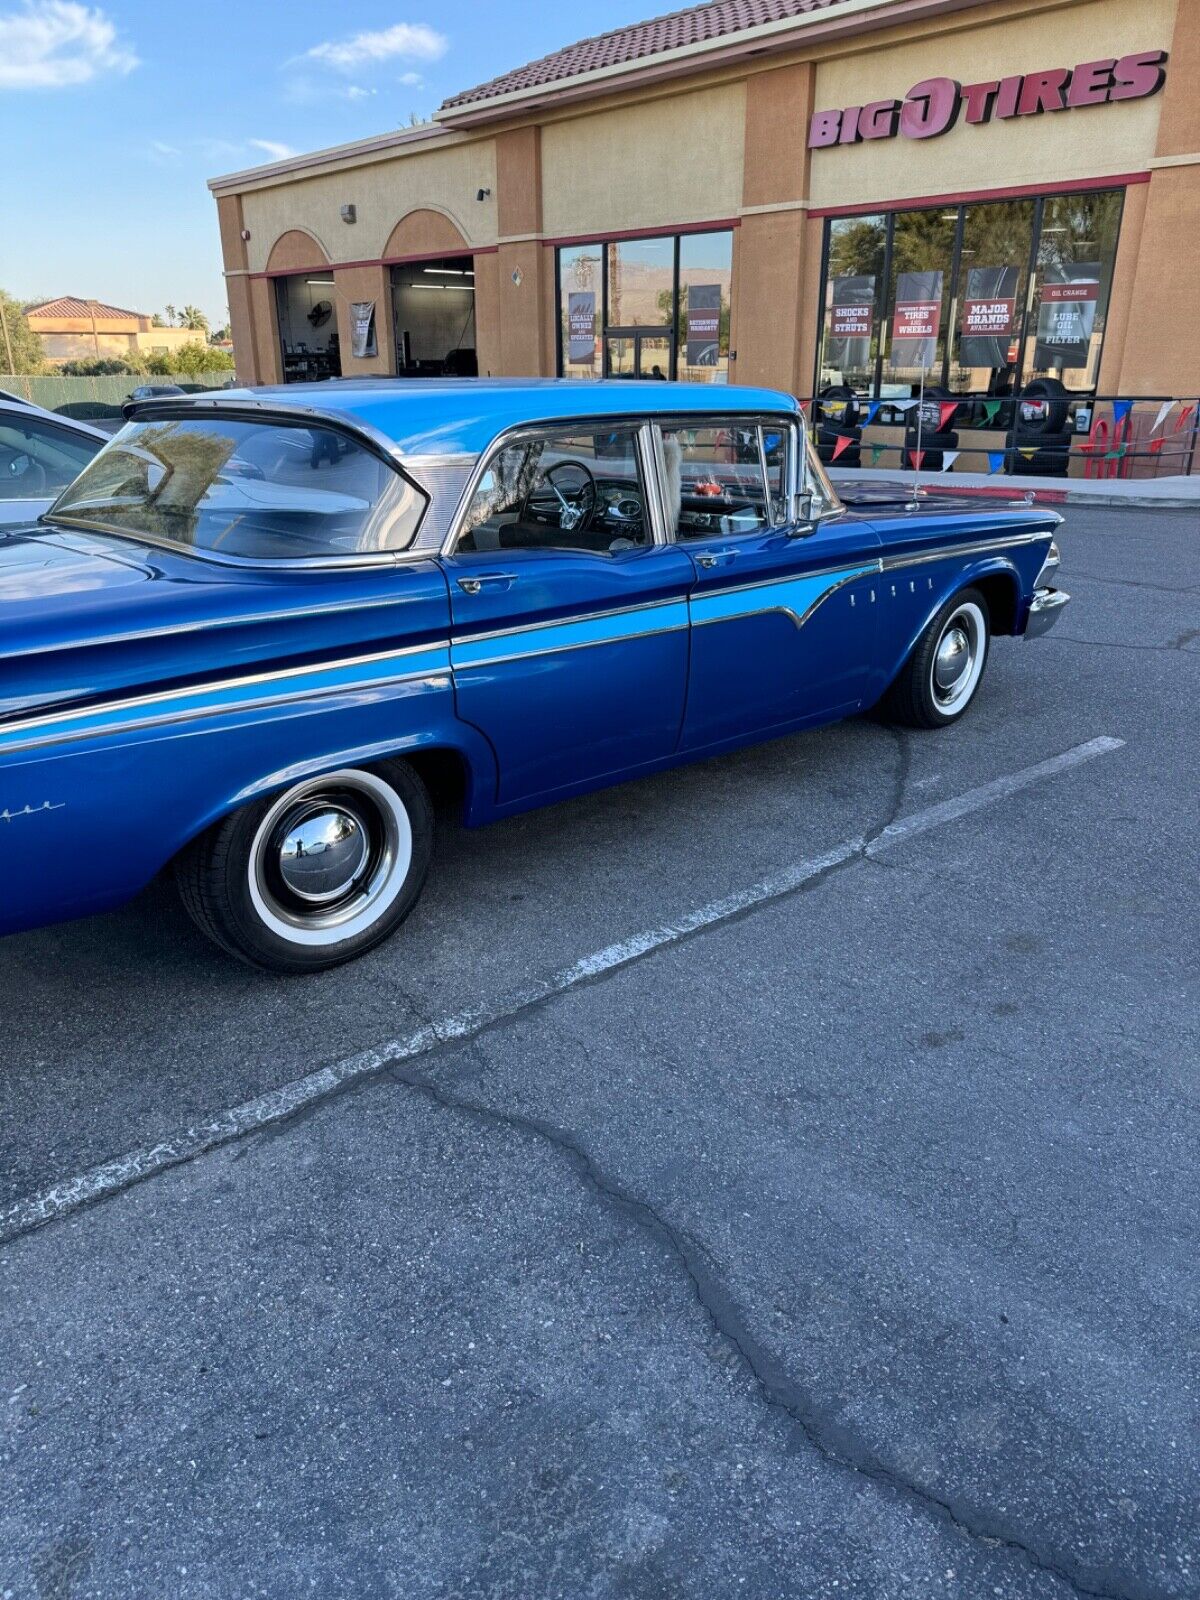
<point x="695" y="25"/>
<point x="68" y="305"/>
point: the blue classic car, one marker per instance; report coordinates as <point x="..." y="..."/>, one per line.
<point x="243" y="639"/>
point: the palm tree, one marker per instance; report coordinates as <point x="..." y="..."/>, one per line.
<point x="193" y="317"/>
<point x="170" y="309"/>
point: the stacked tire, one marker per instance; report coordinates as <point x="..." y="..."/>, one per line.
<point x="838" y="420"/>
<point x="1040" y="425"/>
<point x="924" y="430"/>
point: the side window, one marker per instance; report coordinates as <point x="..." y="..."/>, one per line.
<point x="36" y="461"/>
<point x="713" y="479"/>
<point x="578" y="490"/>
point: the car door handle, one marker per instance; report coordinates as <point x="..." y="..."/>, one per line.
<point x="487" y="580"/>
<point x="716" y="558"/>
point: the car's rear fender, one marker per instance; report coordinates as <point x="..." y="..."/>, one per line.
<point x="87" y="822"/>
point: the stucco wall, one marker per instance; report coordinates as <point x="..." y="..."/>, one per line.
<point x="647" y="164"/>
<point x="1052" y="148"/>
<point x="382" y="192"/>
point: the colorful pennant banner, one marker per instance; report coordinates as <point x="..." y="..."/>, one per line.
<point x="1121" y="409"/>
<point x="991" y="410"/>
<point x="915" y="458"/>
<point x="876" y="452"/>
<point x="1164" y="411"/>
<point x="949" y="457"/>
<point x="995" y="460"/>
<point x="872" y="412"/>
<point x="844" y="443"/>
<point x="945" y="411"/>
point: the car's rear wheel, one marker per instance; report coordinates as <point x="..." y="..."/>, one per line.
<point x="942" y="675"/>
<point x="315" y="875"/>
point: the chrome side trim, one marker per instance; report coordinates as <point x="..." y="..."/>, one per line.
<point x="561" y="649"/>
<point x="787" y="611"/>
<point x="946" y="552"/>
<point x="222" y="685"/>
<point x="866" y="566"/>
<point x="267" y="703"/>
<point x="562" y="622"/>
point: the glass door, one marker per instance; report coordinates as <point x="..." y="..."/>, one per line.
<point x="638" y="353"/>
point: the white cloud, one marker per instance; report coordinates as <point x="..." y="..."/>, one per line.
<point x="412" y="41"/>
<point x="55" y="44"/>
<point x="414" y="80"/>
<point x="273" y="148"/>
<point x="356" y="92"/>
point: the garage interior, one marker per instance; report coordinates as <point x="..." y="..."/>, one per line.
<point x="433" y="309"/>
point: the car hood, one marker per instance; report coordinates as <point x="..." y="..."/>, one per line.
<point x="85" y="615"/>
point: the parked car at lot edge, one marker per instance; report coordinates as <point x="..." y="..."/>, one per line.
<point x="243" y="639"/>
<point x="40" y="453"/>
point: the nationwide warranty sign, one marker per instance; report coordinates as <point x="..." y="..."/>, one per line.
<point x="935" y="105"/>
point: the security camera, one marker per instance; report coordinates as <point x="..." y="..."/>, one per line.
<point x="482" y="194"/>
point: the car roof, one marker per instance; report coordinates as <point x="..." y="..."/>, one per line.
<point x="461" y="416"/>
<point x="25" y="409"/>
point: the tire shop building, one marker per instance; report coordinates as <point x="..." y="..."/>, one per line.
<point x="994" y="203"/>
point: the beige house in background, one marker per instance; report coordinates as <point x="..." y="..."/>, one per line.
<point x="80" y="330"/>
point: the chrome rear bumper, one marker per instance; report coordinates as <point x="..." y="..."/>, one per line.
<point x="1044" y="611"/>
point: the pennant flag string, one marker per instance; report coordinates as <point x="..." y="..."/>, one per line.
<point x="1164" y="412"/>
<point x="915" y="458"/>
<point x="1121" y="409"/>
<point x="876" y="452"/>
<point x="1183" y="416"/>
<point x="843" y="443"/>
<point x="945" y="411"/>
<point x="872" y="412"/>
<point x="949" y="457"/>
<point x="995" y="460"/>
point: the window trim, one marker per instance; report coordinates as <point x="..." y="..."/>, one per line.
<point x="360" y="433"/>
<point x="636" y="424"/>
<point x="787" y="421"/>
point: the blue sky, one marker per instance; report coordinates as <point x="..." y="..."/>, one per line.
<point x="113" y="115"/>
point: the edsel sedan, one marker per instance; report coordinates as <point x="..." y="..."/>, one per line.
<point x="243" y="640"/>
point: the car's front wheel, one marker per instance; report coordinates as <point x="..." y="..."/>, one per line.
<point x="315" y="875"/>
<point x="942" y="675"/>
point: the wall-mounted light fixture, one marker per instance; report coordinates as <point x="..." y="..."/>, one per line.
<point x="349" y="213"/>
<point x="246" y="235"/>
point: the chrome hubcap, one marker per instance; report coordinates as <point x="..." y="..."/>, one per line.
<point x="322" y="856"/>
<point x="958" y="659"/>
<point x="953" y="658"/>
<point x="329" y="857"/>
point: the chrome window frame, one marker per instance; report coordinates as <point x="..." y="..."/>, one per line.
<point x="786" y="421"/>
<point x="635" y="423"/>
<point x="363" y="433"/>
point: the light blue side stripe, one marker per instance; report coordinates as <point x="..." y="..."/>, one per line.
<point x="609" y="629"/>
<point x="796" y="596"/>
<point x="219" y="698"/>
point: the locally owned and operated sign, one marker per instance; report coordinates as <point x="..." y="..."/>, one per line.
<point x="581" y="325"/>
<point x="934" y="105"/>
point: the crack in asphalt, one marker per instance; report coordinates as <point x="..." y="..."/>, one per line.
<point x="779" y="1390"/>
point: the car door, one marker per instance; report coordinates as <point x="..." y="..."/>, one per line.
<point x="38" y="458"/>
<point x="782" y="611"/>
<point x="569" y="618"/>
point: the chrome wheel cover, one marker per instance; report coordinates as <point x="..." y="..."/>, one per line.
<point x="958" y="659"/>
<point x="329" y="857"/>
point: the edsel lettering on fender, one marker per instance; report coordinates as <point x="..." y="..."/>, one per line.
<point x="255" y="629"/>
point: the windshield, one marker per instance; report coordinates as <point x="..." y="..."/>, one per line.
<point x="260" y="491"/>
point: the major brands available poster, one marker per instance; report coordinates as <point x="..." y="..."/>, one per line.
<point x="989" y="316"/>
<point x="917" y="319"/>
<point x="362" y="329"/>
<point x="581" y="326"/>
<point x="1067" y="315"/>
<point x="851" y="323"/>
<point x="703" y="324"/>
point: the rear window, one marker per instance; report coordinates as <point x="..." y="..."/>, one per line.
<point x="261" y="491"/>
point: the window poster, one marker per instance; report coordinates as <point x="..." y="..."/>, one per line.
<point x="703" y="324"/>
<point x="989" y="316"/>
<point x="851" y="322"/>
<point x="1067" y="315"/>
<point x="917" y="319"/>
<point x="581" y="326"/>
<point x="362" y="329"/>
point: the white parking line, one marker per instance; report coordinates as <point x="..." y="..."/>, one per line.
<point x="277" y="1105"/>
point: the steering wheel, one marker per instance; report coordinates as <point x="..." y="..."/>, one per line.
<point x="574" y="515"/>
<point x="33" y="471"/>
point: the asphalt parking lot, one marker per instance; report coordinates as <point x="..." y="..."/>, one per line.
<point x="712" y="1195"/>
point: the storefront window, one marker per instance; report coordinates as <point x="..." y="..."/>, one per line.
<point x="647" y="308"/>
<point x="641" y="283"/>
<point x="705" y="281"/>
<point x="918" y="298"/>
<point x="1077" y="247"/>
<point x="993" y="275"/>
<point x="580" y="274"/>
<point x="850" y="328"/>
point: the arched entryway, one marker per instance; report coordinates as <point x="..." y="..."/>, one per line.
<point x="432" y="272"/>
<point x="305" y="308"/>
